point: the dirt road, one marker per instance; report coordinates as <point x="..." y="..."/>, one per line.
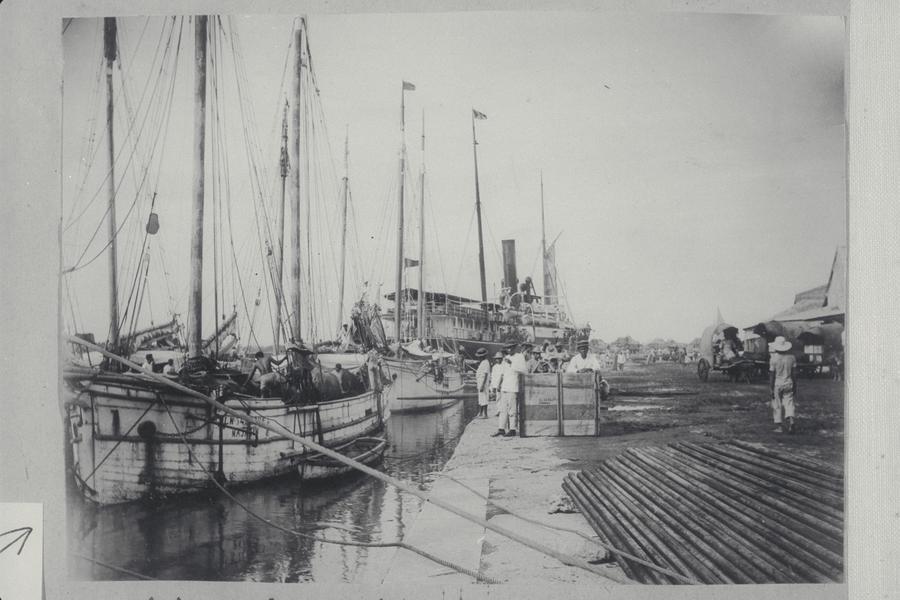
<point x="660" y="403"/>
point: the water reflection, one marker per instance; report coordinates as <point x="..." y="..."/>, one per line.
<point x="214" y="538"/>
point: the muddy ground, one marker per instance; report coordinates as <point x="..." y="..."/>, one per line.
<point x="662" y="403"/>
<point x="650" y="406"/>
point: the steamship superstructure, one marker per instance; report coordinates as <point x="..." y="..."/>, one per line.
<point x="456" y="323"/>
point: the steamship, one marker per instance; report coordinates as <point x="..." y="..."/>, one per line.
<point x="456" y="324"/>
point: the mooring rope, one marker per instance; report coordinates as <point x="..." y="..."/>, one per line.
<point x="114" y="567"/>
<point x="254" y="514"/>
<point x="566" y="559"/>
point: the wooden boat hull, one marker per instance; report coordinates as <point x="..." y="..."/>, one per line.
<point x="315" y="466"/>
<point x="423" y="404"/>
<point x="411" y="384"/>
<point x="133" y="438"/>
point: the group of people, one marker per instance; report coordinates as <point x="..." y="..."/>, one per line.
<point x="678" y="356"/>
<point x="304" y="381"/>
<point x="497" y="379"/>
<point x="167" y="368"/>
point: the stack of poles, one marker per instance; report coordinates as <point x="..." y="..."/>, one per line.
<point x="718" y="513"/>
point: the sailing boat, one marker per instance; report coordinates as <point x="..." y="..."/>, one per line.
<point x="519" y="314"/>
<point x="133" y="437"/>
<point x="428" y="377"/>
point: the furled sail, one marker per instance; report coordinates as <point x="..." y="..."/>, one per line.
<point x="551" y="287"/>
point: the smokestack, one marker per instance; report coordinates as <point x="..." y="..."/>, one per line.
<point x="509" y="265"/>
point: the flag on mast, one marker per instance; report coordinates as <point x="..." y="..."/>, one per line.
<point x="410" y="262"/>
<point x="478" y="115"/>
<point x="408" y="86"/>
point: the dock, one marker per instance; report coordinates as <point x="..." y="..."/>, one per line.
<point x="493" y="468"/>
<point x="652" y="409"/>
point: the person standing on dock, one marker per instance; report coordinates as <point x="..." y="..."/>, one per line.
<point x="783" y="381"/>
<point x="482" y="381"/>
<point x="496" y="372"/>
<point x="514" y="365"/>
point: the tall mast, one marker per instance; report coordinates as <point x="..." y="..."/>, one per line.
<point x="478" y="212"/>
<point x="420" y="312"/>
<point x="344" y="226"/>
<point x="398" y="300"/>
<point x="195" y="301"/>
<point x="110" y="52"/>
<point x="279" y="227"/>
<point x="547" y="299"/>
<point x="295" y="182"/>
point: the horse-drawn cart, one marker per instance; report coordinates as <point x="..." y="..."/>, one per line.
<point x="721" y="351"/>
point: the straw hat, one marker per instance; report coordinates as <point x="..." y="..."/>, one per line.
<point x="780" y="344"/>
<point x="498" y="355"/>
<point x="481" y="353"/>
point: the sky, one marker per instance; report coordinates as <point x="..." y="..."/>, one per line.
<point x="691" y="162"/>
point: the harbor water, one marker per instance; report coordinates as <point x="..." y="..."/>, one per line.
<point x="216" y="538"/>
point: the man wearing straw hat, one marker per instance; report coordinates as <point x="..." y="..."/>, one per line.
<point x="783" y="381"/>
<point x="482" y="381"/>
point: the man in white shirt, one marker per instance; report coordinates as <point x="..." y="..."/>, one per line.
<point x="149" y="363"/>
<point x="482" y="381"/>
<point x="514" y="365"/>
<point x="584" y="361"/>
<point x="502" y="412"/>
<point x="496" y="372"/>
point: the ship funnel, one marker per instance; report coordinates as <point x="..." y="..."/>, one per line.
<point x="509" y="265"/>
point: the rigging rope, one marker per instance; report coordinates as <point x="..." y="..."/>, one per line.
<point x="78" y="263"/>
<point x="464" y="245"/>
<point x="116" y="159"/>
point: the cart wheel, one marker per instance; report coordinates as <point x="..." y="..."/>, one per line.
<point x="703" y="369"/>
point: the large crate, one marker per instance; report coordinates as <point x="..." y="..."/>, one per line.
<point x="559" y="404"/>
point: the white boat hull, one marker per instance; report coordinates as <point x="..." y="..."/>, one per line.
<point x="413" y="391"/>
<point x="411" y="405"/>
<point x="126" y="447"/>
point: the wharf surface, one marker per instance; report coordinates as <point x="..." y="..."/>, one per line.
<point x="653" y="405"/>
<point x="521" y="474"/>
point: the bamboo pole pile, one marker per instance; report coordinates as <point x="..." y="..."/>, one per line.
<point x="717" y="513"/>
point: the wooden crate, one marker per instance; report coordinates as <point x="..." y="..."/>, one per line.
<point x="558" y="404"/>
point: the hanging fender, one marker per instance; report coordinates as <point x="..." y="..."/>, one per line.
<point x="153" y="224"/>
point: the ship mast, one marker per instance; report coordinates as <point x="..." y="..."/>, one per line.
<point x="547" y="299"/>
<point x="421" y="306"/>
<point x="279" y="227"/>
<point x="398" y="301"/>
<point x="195" y="301"/>
<point x="476" y="114"/>
<point x="295" y="183"/>
<point x="344" y="227"/>
<point x="110" y="52"/>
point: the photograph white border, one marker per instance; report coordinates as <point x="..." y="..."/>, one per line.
<point x="31" y="439"/>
